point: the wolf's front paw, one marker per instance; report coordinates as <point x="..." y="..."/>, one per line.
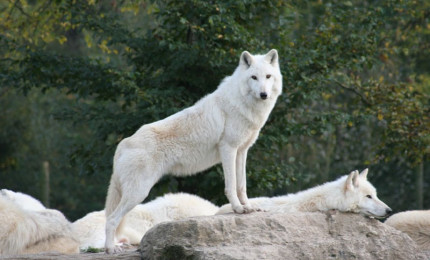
<point x="114" y="250"/>
<point x="248" y="209"/>
<point x="258" y="209"/>
<point x="239" y="209"/>
<point x="244" y="209"/>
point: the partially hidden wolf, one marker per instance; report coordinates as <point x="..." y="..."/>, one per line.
<point x="350" y="193"/>
<point x="415" y="223"/>
<point x="31" y="228"/>
<point x="25" y="201"/>
<point x="91" y="228"/>
<point x="219" y="128"/>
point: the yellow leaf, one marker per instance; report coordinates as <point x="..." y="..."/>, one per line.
<point x="380" y="117"/>
<point x="62" y="39"/>
<point x="350" y="124"/>
<point x="381" y="78"/>
<point x="88" y="40"/>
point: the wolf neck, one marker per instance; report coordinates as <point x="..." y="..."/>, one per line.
<point x="320" y="198"/>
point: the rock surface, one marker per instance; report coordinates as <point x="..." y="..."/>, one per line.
<point x="129" y="255"/>
<point x="264" y="235"/>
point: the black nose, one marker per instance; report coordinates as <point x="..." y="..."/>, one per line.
<point x="263" y="95"/>
<point x="388" y="211"/>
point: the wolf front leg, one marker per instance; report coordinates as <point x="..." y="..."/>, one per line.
<point x="228" y="160"/>
<point x="241" y="179"/>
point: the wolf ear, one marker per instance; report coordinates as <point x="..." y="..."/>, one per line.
<point x="363" y="174"/>
<point x="351" y="181"/>
<point x="246" y="59"/>
<point x="272" y="57"/>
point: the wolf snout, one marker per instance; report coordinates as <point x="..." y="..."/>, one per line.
<point x="263" y="95"/>
<point x="388" y="211"/>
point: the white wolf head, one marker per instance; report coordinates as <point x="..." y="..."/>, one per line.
<point x="23" y="200"/>
<point x="262" y="76"/>
<point x="363" y="195"/>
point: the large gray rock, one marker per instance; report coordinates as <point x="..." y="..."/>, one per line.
<point x="264" y="235"/>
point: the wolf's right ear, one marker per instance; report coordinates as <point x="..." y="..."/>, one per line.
<point x="351" y="181"/>
<point x="246" y="59"/>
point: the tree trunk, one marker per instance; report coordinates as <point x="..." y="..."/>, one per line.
<point x="46" y="186"/>
<point x="419" y="184"/>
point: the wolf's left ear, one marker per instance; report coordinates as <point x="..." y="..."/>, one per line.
<point x="363" y="174"/>
<point x="272" y="57"/>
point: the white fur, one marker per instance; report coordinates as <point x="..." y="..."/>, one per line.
<point x="25" y="201"/>
<point x="90" y="229"/>
<point x="415" y="223"/>
<point x="219" y="128"/>
<point x="25" y="231"/>
<point x="348" y="194"/>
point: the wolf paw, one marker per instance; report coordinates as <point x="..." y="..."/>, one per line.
<point x="245" y="209"/>
<point x="239" y="209"/>
<point x="114" y="250"/>
<point x="249" y="209"/>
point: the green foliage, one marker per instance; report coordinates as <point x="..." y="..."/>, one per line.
<point x="92" y="250"/>
<point x="356" y="89"/>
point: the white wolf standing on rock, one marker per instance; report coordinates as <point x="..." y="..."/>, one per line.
<point x="219" y="128"/>
<point x="350" y="193"/>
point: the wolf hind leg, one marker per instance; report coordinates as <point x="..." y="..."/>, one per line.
<point x="134" y="192"/>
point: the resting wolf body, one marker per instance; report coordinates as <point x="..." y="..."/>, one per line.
<point x="34" y="231"/>
<point x="172" y="206"/>
<point x="350" y="193"/>
<point x="415" y="223"/>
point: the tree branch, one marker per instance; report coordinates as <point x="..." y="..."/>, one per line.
<point x="363" y="99"/>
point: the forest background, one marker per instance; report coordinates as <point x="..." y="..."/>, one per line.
<point x="76" y="77"/>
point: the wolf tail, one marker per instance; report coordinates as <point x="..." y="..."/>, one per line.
<point x="113" y="198"/>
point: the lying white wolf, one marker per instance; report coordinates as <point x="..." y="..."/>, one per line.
<point x="350" y="193"/>
<point x="90" y="229"/>
<point x="25" y="231"/>
<point x="415" y="223"/>
<point x="23" y="200"/>
<point x="219" y="128"/>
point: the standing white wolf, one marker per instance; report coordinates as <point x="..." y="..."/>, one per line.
<point x="350" y="193"/>
<point x="219" y="128"/>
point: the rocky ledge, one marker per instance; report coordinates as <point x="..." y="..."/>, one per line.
<point x="264" y="235"/>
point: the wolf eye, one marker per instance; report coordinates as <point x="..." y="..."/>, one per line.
<point x="369" y="196"/>
<point x="268" y="76"/>
<point x="254" y="77"/>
